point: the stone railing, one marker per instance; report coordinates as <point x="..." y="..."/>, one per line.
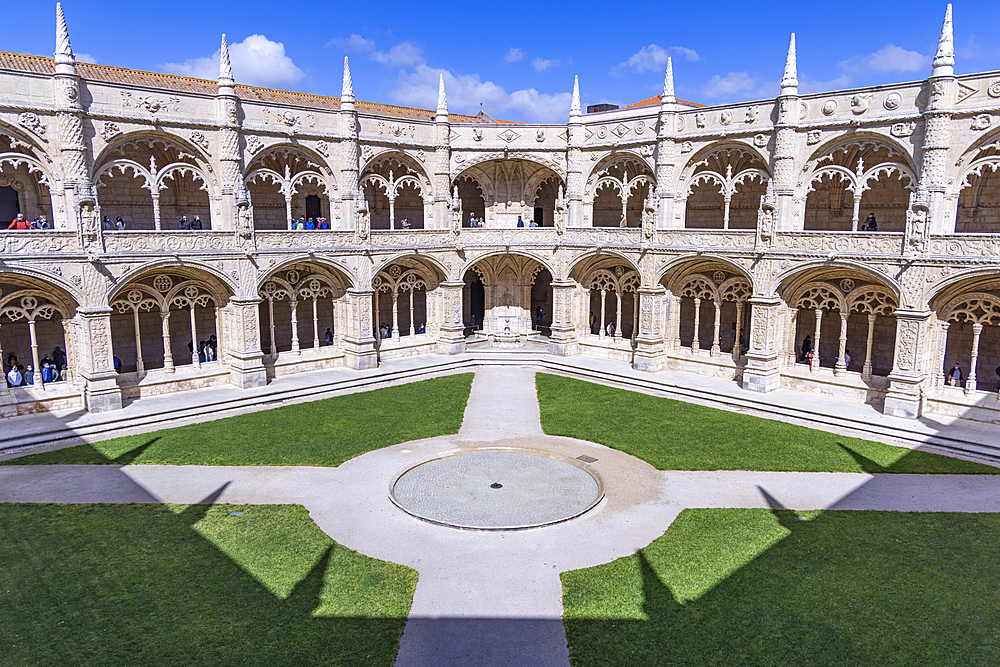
<point x="36" y="242"/>
<point x="510" y="236"/>
<point x="169" y="242"/>
<point x="848" y="243"/>
<point x="304" y="239"/>
<point x="603" y="236"/>
<point x="959" y="245"/>
<point x="693" y="239"/>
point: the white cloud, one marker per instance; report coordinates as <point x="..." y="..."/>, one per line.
<point x="419" y="88"/>
<point x="514" y="55"/>
<point x="256" y="61"/>
<point x="541" y="64"/>
<point x="808" y="85"/>
<point x="85" y="58"/>
<point x="889" y="59"/>
<point x="355" y="43"/>
<point x="734" y="83"/>
<point x="654" y="58"/>
<point x="404" y="54"/>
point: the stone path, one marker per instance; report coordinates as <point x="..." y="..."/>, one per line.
<point x="493" y="598"/>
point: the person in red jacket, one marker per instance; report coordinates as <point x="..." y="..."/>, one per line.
<point x="19" y="223"/>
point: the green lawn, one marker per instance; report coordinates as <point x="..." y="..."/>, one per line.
<point x="321" y="433"/>
<point x="165" y="585"/>
<point x="672" y="435"/>
<point x="755" y="587"/>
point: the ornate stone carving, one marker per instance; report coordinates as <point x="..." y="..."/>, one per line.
<point x="994" y="88"/>
<point x="687" y="147"/>
<point x="892" y="101"/>
<point x="829" y="107"/>
<point x="751" y="115"/>
<point x="699" y="119"/>
<point x="254" y="144"/>
<point x="323" y="148"/>
<point x="199" y="139"/>
<point x="903" y="129"/>
<point x="110" y="130"/>
<point x="726" y="117"/>
<point x="31" y="121"/>
<point x="813" y="137"/>
<point x="859" y="104"/>
<point x="477" y="134"/>
<point x="982" y="121"/>
<point x="965" y="92"/>
<point x="508" y="135"/>
<point x="760" y="140"/>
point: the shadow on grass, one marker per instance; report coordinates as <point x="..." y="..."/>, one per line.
<point x="136" y="585"/>
<point x="780" y="588"/>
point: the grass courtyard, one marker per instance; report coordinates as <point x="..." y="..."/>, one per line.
<point x="756" y="587"/>
<point x="672" y="435"/>
<point x="321" y="433"/>
<point x="162" y="585"/>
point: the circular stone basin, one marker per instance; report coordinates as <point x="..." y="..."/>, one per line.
<point x="498" y="489"/>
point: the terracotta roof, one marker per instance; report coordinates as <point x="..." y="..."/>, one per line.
<point x="655" y="101"/>
<point x="184" y="84"/>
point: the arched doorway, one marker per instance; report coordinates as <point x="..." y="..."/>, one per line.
<point x="516" y="289"/>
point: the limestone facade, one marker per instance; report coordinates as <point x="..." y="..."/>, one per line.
<point x="672" y="236"/>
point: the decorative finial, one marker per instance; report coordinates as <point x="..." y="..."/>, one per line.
<point x="442" y="109"/>
<point x="944" y="59"/>
<point x="348" y="91"/>
<point x="574" y="108"/>
<point x="63" y="47"/>
<point x="790" y="81"/>
<point x="668" y="84"/>
<point x="225" y="67"/>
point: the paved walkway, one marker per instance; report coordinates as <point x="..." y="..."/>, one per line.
<point x="493" y="598"/>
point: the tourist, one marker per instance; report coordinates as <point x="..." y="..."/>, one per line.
<point x="611" y="328"/>
<point x="14" y="377"/>
<point x="117" y="363"/>
<point x="539" y="316"/>
<point x="421" y="329"/>
<point x="213" y="343"/>
<point x="119" y="224"/>
<point x="19" y="223"/>
<point x="59" y="359"/>
<point x="593" y="322"/>
<point x="42" y="223"/>
<point x="955" y="376"/>
<point x="46" y="373"/>
<point x="323" y="224"/>
<point x="809" y="359"/>
<point x="533" y="223"/>
<point x="185" y="225"/>
<point x="310" y="224"/>
<point x="870" y="224"/>
<point x="299" y="225"/>
<point x="520" y="223"/>
<point x="622" y="222"/>
<point x="329" y="336"/>
<point x="29" y="375"/>
<point x="196" y="223"/>
<point x="807" y="346"/>
<point x="106" y="224"/>
<point x="847" y="358"/>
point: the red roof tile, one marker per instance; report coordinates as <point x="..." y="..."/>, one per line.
<point x="655" y="101"/>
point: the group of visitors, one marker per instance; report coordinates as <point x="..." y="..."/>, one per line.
<point x="50" y="370"/>
<point x="595" y="325"/>
<point x="118" y="225"/>
<point x="208" y="350"/>
<point x="520" y="222"/>
<point x="310" y="224"/>
<point x="870" y="224"/>
<point x="473" y="222"/>
<point x="192" y="225"/>
<point x="385" y="331"/>
<point x="954" y="376"/>
<point x="22" y="223"/>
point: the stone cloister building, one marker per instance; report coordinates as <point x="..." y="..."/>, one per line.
<point x="712" y="240"/>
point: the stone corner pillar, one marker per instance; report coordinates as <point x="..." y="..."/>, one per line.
<point x="359" y="342"/>
<point x="649" y="343"/>
<point x="763" y="370"/>
<point x="100" y="381"/>
<point x="562" y="338"/>
<point x="451" y="336"/>
<point x="246" y="360"/>
<point x="905" y="393"/>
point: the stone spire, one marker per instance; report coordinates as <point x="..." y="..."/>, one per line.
<point x="64" y="52"/>
<point x="668" y="84"/>
<point x="442" y="109"/>
<point x="574" y="108"/>
<point x="944" y="59"/>
<point x="225" y="67"/>
<point x="790" y="81"/>
<point x="347" y="94"/>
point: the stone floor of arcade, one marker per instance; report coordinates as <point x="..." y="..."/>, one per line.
<point x="270" y="526"/>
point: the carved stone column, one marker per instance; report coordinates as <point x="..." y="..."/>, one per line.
<point x="574" y="160"/>
<point x="451" y="334"/>
<point x="359" y="343"/>
<point x="228" y="141"/>
<point x="562" y="340"/>
<point x="70" y="115"/>
<point x="649" y="347"/>
<point x="442" y="162"/>
<point x="349" y="153"/>
<point x="904" y="395"/>
<point x="101" y="392"/>
<point x="762" y="372"/>
<point x="785" y="135"/>
<point x="245" y="360"/>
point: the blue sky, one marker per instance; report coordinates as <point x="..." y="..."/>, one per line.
<point x="517" y="58"/>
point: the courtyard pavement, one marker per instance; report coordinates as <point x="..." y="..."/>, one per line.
<point x="493" y="598"/>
